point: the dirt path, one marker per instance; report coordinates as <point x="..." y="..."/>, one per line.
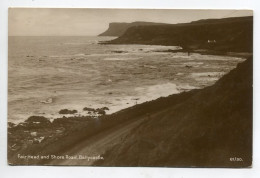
<point x="98" y="144"/>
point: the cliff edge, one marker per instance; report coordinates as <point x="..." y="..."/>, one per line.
<point x="118" y="29"/>
<point x="228" y="35"/>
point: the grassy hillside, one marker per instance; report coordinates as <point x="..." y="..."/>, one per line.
<point x="118" y="29"/>
<point x="211" y="127"/>
<point x="229" y="34"/>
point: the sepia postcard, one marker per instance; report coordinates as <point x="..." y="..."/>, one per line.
<point x="130" y="87"/>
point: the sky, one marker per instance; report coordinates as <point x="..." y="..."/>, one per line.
<point x="91" y="22"/>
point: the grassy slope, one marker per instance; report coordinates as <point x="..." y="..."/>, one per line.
<point x="231" y="34"/>
<point x="207" y="129"/>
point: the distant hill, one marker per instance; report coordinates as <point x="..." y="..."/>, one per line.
<point x="229" y="34"/>
<point x="211" y="127"/>
<point x="118" y="29"/>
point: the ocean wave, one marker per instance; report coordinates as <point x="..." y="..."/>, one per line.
<point x="121" y="59"/>
<point x="102" y="76"/>
<point x="47" y="101"/>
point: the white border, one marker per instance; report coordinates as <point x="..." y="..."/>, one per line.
<point x="50" y="171"/>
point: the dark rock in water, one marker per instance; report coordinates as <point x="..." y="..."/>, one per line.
<point x="105" y="108"/>
<point x="66" y="111"/>
<point x="38" y="119"/>
<point x="89" y="109"/>
<point x="34" y="122"/>
<point x="100" y="111"/>
<point x="119" y="51"/>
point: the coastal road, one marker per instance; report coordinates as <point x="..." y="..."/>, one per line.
<point x="97" y="144"/>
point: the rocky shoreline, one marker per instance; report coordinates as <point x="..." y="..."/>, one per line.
<point x="39" y="136"/>
<point x="39" y="130"/>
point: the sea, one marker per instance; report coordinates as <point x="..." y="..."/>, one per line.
<point x="47" y="74"/>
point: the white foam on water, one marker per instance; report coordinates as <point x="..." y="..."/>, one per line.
<point x="182" y="57"/>
<point x="207" y="76"/>
<point x="121" y="59"/>
<point x="143" y="94"/>
<point x="193" y="63"/>
<point x="179" y="74"/>
<point x="47" y="101"/>
<point x="145" y="48"/>
<point x="186" y="87"/>
<point x="115" y="104"/>
<point x="155" y="91"/>
<point x="197" y="56"/>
